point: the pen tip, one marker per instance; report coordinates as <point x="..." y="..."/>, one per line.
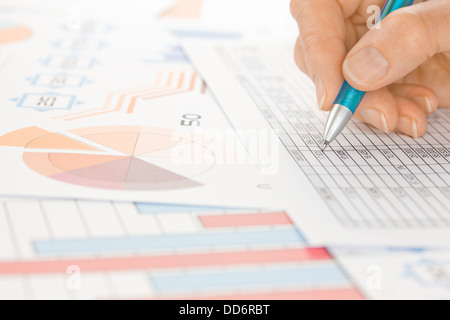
<point x="324" y="146"/>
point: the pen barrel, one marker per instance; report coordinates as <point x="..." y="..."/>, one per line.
<point x="392" y="5"/>
<point x="349" y="97"/>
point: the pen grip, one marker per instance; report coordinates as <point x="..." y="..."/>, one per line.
<point x="349" y="97"/>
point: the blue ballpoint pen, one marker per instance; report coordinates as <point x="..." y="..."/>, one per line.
<point x="349" y="98"/>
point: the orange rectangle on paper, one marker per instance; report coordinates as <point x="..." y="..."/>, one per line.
<point x="166" y="261"/>
<point x="241" y="220"/>
<point x="321" y="294"/>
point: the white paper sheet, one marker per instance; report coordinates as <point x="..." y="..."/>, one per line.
<point x="56" y="249"/>
<point x="115" y="111"/>
<point x="369" y="188"/>
<point x="398" y="274"/>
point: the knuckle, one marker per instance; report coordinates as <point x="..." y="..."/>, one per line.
<point x="311" y="46"/>
<point x="293" y="7"/>
<point x="297" y="8"/>
<point x="312" y="43"/>
<point x="298" y="56"/>
<point x="298" y="46"/>
<point x="413" y="30"/>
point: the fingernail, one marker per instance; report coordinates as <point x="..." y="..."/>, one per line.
<point x="428" y="103"/>
<point x="321" y="93"/>
<point x="407" y="126"/>
<point x="423" y="100"/>
<point x="375" y="118"/>
<point x="366" y="66"/>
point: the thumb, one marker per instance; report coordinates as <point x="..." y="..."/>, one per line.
<point x="406" y="38"/>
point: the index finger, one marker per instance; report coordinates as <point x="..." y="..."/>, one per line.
<point x="322" y="38"/>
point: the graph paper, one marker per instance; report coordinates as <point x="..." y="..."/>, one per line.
<point x="368" y="180"/>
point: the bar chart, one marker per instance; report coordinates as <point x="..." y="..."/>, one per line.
<point x="109" y="250"/>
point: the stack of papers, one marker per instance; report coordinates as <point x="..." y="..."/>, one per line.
<point x="170" y="150"/>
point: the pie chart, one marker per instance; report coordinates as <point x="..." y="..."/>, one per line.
<point x="114" y="157"/>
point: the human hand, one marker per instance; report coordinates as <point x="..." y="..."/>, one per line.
<point x="404" y="65"/>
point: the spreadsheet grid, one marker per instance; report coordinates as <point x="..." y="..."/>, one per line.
<point x="370" y="179"/>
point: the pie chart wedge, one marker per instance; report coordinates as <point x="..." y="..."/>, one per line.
<point x="12" y="33"/>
